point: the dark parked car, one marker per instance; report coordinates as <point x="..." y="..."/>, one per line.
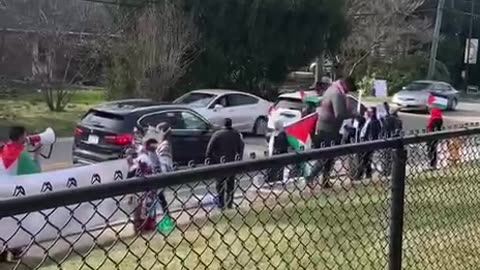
<point x="105" y="131"/>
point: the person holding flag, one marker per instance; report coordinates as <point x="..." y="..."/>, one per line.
<point x="435" y="123"/>
<point x="332" y="112"/>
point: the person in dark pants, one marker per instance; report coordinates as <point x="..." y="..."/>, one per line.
<point x="226" y="145"/>
<point x="435" y="123"/>
<point x="369" y="132"/>
<point x="332" y="112"/>
<point x="392" y="127"/>
<point x="278" y="144"/>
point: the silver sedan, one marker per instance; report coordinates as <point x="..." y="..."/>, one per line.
<point x="415" y="95"/>
<point x="248" y="112"/>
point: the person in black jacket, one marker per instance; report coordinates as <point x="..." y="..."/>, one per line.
<point x="391" y="127"/>
<point x="370" y="131"/>
<point x="226" y="145"/>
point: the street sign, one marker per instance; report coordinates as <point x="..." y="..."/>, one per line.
<point x="471" y="51"/>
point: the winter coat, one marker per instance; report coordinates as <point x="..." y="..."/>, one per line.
<point x="225" y="146"/>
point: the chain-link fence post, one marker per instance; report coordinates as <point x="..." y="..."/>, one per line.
<point x="397" y="208"/>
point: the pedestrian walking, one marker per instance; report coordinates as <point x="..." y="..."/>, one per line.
<point x="435" y="123"/>
<point x="277" y="145"/>
<point x="226" y="145"/>
<point x="152" y="157"/>
<point x="165" y="165"/>
<point x="333" y="111"/>
<point x="370" y="131"/>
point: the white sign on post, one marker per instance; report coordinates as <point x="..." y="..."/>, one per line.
<point x="380" y="87"/>
<point x="471" y="51"/>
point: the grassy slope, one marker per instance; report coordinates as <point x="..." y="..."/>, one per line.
<point x="345" y="229"/>
<point x="31" y="111"/>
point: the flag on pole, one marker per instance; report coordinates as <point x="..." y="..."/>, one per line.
<point x="15" y="160"/>
<point x="299" y="133"/>
<point x="438" y="102"/>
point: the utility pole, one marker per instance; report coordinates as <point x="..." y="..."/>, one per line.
<point x="470" y="30"/>
<point x="436" y="38"/>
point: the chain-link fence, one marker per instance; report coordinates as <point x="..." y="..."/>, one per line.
<point x="355" y="206"/>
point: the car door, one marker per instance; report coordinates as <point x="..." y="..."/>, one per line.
<point x="440" y="89"/>
<point x="244" y="111"/>
<point x="192" y="135"/>
<point x="179" y="152"/>
<point x="217" y="116"/>
<point x="450" y="91"/>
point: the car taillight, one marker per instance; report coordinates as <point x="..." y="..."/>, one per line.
<point x="120" y="139"/>
<point x="78" y="131"/>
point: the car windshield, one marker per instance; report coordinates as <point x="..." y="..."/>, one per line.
<point x="290" y="103"/>
<point x="198" y="100"/>
<point x="105" y="120"/>
<point x="417" y="86"/>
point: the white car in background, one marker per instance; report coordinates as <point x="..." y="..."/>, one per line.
<point x="249" y="113"/>
<point x="415" y="95"/>
<point x="288" y="107"/>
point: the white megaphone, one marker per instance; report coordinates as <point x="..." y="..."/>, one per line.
<point x="45" y="138"/>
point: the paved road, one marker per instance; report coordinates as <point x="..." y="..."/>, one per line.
<point x="467" y="112"/>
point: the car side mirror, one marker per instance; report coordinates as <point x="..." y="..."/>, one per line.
<point x="217" y="107"/>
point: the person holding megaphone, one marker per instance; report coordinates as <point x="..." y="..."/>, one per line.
<point x="14" y="155"/>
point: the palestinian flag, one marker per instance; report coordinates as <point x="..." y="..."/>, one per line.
<point x="298" y="133"/>
<point x="438" y="102"/>
<point x="15" y="160"/>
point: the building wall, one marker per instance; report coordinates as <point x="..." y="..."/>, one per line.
<point x="15" y="56"/>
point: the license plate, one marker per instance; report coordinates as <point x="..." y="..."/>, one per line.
<point x="93" y="139"/>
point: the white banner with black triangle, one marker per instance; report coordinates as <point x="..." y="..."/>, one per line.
<point x="70" y="220"/>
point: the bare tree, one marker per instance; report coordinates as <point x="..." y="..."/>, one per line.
<point x="379" y="28"/>
<point x="63" y="36"/>
<point x="164" y="45"/>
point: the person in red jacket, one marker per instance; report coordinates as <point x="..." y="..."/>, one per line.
<point x="435" y="123"/>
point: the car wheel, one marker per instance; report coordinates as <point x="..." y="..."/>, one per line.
<point x="260" y="127"/>
<point x="453" y="104"/>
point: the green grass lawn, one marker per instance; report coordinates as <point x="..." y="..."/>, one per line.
<point x="342" y="229"/>
<point x="31" y="111"/>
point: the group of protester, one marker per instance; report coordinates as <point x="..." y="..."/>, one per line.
<point x="330" y="130"/>
<point x="151" y="150"/>
<point x="151" y="153"/>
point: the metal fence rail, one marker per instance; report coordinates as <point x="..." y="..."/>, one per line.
<point x="346" y="221"/>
